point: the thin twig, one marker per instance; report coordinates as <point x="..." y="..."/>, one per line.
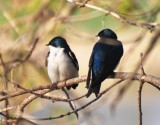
<point x="140" y="91"/>
<point x="141" y="66"/>
<point x="140" y="102"/>
<point x="5" y="69"/>
<point x="84" y="106"/>
<point x="84" y="3"/>
<point x="71" y="103"/>
<point x="152" y="42"/>
<point x="7" y="118"/>
<point x="17" y="61"/>
<point x="148" y="25"/>
<point x="28" y="100"/>
<point x="53" y="98"/>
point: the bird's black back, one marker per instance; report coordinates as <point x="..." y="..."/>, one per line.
<point x="105" y="56"/>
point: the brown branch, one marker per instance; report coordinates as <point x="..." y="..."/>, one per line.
<point x="7" y="66"/>
<point x="148" y="25"/>
<point x="152" y="42"/>
<point x="71" y="103"/>
<point x="55" y="98"/>
<point x="48" y="88"/>
<point x="5" y="86"/>
<point x="123" y="76"/>
<point x="7" y="119"/>
<point x="5" y="70"/>
<point x="140" y="102"/>
<point x="84" y="106"/>
<point x="49" y="97"/>
<point x="18" y="61"/>
<point x="84" y="3"/>
<point x="140" y="91"/>
<point x="28" y="100"/>
<point x="8" y="108"/>
<point x="154" y="81"/>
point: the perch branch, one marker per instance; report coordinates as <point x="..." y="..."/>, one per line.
<point x="84" y="106"/>
<point x="154" y="81"/>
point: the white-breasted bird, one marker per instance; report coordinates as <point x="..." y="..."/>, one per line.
<point x="61" y="62"/>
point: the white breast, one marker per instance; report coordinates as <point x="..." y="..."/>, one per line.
<point x="60" y="66"/>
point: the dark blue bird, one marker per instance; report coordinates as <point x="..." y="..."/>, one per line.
<point x="105" y="56"/>
<point x="61" y="62"/>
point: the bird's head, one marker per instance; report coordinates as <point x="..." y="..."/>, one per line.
<point x="107" y="33"/>
<point x="58" y="42"/>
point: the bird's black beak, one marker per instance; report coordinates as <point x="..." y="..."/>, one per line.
<point x="47" y="44"/>
<point x="96" y="35"/>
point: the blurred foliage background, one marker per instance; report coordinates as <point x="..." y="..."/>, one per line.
<point x="22" y="21"/>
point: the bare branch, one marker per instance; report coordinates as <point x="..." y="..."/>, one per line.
<point x="7" y="119"/>
<point x="45" y="89"/>
<point x="28" y="100"/>
<point x="84" y="3"/>
<point x="152" y="42"/>
<point x="148" y="25"/>
<point x="5" y="85"/>
<point x="154" y="81"/>
<point x="84" y="106"/>
<point x="71" y="103"/>
<point x="140" y="102"/>
<point x="8" y="108"/>
<point x="18" y="61"/>
<point x="140" y="91"/>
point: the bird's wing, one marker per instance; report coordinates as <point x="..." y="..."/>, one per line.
<point x="74" y="59"/>
<point x="105" y="59"/>
<point x="46" y="60"/>
<point x="112" y="59"/>
<point x="118" y="52"/>
<point x="89" y="71"/>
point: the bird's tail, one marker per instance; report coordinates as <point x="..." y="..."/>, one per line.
<point x="74" y="86"/>
<point x="94" y="90"/>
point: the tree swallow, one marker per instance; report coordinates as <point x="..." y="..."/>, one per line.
<point x="105" y="56"/>
<point x="61" y="61"/>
